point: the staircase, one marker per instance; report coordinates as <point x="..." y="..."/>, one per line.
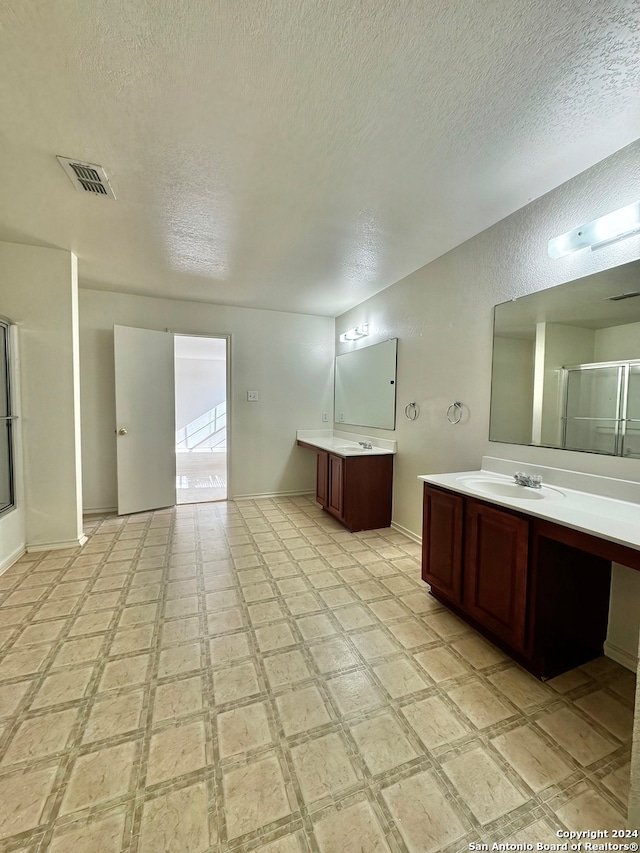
<point x="206" y="432"/>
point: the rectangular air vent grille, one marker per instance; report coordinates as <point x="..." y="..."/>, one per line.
<point x="87" y="177"/>
<point x="623" y="296"/>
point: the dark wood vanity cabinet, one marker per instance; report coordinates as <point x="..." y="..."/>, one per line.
<point x="360" y="490"/>
<point x="536" y="589"/>
<point x="335" y="490"/>
<point x="356" y="490"/>
<point x="322" y="477"/>
<point x="495" y="571"/>
<point x="475" y="556"/>
<point x="442" y="517"/>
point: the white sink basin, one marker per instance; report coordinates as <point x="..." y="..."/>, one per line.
<point x="508" y="489"/>
<point x="351" y="448"/>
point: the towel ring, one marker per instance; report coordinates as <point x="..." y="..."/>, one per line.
<point x="412" y="410"/>
<point x="454" y="409"/>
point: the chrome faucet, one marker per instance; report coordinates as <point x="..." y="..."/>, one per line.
<point x="533" y="481"/>
<point x="366" y="445"/>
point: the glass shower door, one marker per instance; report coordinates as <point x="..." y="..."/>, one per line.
<point x="631" y="442"/>
<point x="592" y="409"/>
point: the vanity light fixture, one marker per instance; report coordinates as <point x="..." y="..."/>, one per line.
<point x="354" y="334"/>
<point x="599" y="232"/>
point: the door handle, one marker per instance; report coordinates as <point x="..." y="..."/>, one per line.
<point x="122" y="431"/>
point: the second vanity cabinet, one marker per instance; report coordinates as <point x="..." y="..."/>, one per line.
<point x="537" y="589"/>
<point x="356" y="490"/>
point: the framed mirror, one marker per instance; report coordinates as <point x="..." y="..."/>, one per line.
<point x="365" y="386"/>
<point x="566" y="366"/>
<point x="6" y="421"/>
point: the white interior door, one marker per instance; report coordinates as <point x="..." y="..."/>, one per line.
<point x="145" y="419"/>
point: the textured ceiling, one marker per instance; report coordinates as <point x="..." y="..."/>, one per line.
<point x="585" y="302"/>
<point x="299" y="155"/>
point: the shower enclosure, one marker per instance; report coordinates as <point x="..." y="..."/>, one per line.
<point x="601" y="412"/>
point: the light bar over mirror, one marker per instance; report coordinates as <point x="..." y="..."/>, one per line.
<point x="599" y="232"/>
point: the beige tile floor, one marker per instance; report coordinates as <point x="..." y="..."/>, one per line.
<point x="201" y="476"/>
<point x="250" y="676"/>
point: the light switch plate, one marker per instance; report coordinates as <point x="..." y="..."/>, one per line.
<point x="252" y="396"/>
<point x="325" y="417"/>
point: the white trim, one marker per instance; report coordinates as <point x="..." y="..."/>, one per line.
<point x="100" y="510"/>
<point x="408" y="533"/>
<point x="271" y="495"/>
<point x="12" y="558"/>
<point x="58" y="546"/>
<point x="621" y="656"/>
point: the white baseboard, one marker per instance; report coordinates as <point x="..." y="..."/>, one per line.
<point x="58" y="546"/>
<point x="408" y="533"/>
<point x="12" y="558"/>
<point x="99" y="510"/>
<point x="293" y="494"/>
<point x="621" y="656"/>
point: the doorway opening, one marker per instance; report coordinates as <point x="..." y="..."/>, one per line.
<point x="201" y="418"/>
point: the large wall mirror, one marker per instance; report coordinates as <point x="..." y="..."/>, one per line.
<point x="566" y="366"/>
<point x="365" y="389"/>
<point x="6" y="420"/>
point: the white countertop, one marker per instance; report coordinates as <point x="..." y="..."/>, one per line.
<point x="598" y="515"/>
<point x="346" y="443"/>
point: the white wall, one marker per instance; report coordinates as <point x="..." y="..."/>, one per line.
<point x="442" y="315"/>
<point x="512" y="399"/>
<point x="287" y="358"/>
<point x="623" y="634"/>
<point x="563" y="345"/>
<point x="617" y="343"/>
<point x="200" y="385"/>
<point x="38" y="292"/>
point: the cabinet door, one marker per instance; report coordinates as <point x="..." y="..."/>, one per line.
<point x="495" y="571"/>
<point x="336" y="486"/>
<point x="442" y="542"/>
<point x="322" y="478"/>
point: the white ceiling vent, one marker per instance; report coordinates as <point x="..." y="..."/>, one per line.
<point x="631" y="295"/>
<point x="87" y="177"/>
